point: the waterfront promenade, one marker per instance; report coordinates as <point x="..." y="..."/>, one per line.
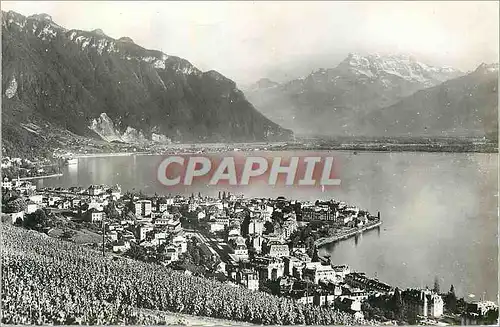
<point x="347" y="234"/>
<point x="40" y="177"/>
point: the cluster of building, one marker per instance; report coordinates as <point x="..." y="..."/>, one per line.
<point x="336" y="213"/>
<point x="8" y="162"/>
<point x="150" y="225"/>
<point x="480" y="313"/>
<point x="249" y="237"/>
<point x="147" y="222"/>
<point x="425" y="303"/>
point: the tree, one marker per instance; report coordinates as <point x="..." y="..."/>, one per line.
<point x="411" y="316"/>
<point x="451" y="300"/>
<point x="196" y="256"/>
<point x="15" y="205"/>
<point x="136" y="252"/>
<point x="161" y="247"/>
<point x="9" y="195"/>
<point x="245" y="224"/>
<point x="150" y="235"/>
<point x="37" y="220"/>
<point x="315" y="257"/>
<point x="129" y="207"/>
<point x="397" y="303"/>
<point x="295" y="239"/>
<point x="269" y="227"/>
<point x="436" y="285"/>
<point x="111" y="211"/>
<point x="310" y="246"/>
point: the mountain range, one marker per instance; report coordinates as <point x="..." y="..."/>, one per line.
<point x="393" y="95"/>
<point x="83" y="85"/>
<point x="88" y="84"/>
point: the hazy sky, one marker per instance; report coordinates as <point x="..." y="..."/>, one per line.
<point x="247" y="40"/>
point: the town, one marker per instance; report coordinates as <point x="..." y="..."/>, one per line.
<point x="261" y="244"/>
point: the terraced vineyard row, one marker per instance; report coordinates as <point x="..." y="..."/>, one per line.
<point x="48" y="281"/>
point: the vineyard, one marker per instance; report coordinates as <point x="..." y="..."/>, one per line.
<point x="49" y="281"/>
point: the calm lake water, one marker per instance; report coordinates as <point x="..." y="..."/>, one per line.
<point x="439" y="212"/>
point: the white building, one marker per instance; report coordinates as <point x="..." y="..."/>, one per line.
<point x="52" y="200"/>
<point x="315" y="272"/>
<point x="256" y="227"/>
<point x="6" y="183"/>
<point x="16" y="215"/>
<point x="174" y="226"/>
<point x="31" y="207"/>
<point x="143" y="230"/>
<point x="95" y="190"/>
<point x="38" y="199"/>
<point x="342" y="271"/>
<point x="112" y="235"/>
<point x="249" y="279"/>
<point x="116" y="192"/>
<point x="94" y="215"/>
<point x="171" y="254"/>
<point x="162" y="207"/>
<point x="121" y="246"/>
<point x="279" y="250"/>
<point x="201" y="215"/>
<point x="99" y="205"/>
<point x="180" y="242"/>
<point x="257" y="243"/>
<point x="216" y="226"/>
<point x="239" y="248"/>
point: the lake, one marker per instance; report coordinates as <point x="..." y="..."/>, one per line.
<point x="439" y="212"/>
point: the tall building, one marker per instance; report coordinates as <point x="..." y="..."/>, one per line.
<point x="256" y="227"/>
<point x="143" y="208"/>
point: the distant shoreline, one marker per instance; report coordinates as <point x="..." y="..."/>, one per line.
<point x="314" y="145"/>
<point x="350" y="149"/>
<point x="487" y="148"/>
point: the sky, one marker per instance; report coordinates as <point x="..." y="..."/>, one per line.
<point x="249" y="40"/>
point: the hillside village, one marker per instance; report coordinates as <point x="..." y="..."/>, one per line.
<point x="260" y="244"/>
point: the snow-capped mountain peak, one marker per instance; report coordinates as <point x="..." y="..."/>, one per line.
<point x="397" y="65"/>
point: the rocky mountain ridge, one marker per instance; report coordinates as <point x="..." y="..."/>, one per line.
<point x="70" y="78"/>
<point x="466" y="106"/>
